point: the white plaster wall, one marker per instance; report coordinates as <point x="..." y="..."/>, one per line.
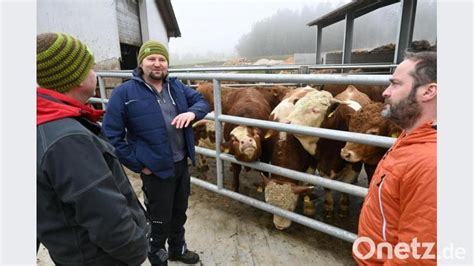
<point x="92" y="21"/>
<point x="153" y="27"/>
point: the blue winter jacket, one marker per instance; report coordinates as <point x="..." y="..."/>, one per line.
<point x="134" y="124"/>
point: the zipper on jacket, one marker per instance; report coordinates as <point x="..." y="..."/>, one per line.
<point x="384" y="223"/>
<point x="159" y="98"/>
<point x="172" y="100"/>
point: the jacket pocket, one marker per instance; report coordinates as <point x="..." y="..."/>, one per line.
<point x="155" y="157"/>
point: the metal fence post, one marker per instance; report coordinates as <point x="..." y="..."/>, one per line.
<point x="303" y="70"/>
<point x="103" y="95"/>
<point x="218" y="129"/>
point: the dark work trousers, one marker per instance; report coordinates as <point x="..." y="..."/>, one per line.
<point x="167" y="202"/>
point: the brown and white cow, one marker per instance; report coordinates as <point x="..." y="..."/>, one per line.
<point x="288" y="152"/>
<point x="369" y="120"/>
<point x="310" y="111"/>
<point x="287" y="103"/>
<point x="205" y="137"/>
<point x="329" y="162"/>
<point x="273" y="94"/>
<point x="244" y="142"/>
<point x="374" y="92"/>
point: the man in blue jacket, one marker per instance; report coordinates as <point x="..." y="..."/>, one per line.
<point x="148" y="121"/>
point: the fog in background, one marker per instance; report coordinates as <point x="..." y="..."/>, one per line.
<point x="217" y="30"/>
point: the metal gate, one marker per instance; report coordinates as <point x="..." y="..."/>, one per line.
<point x="318" y="132"/>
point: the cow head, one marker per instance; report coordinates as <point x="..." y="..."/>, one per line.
<point x="244" y="144"/>
<point x="368" y="120"/>
<point x="286" y="106"/>
<point x="351" y="93"/>
<point x="310" y="110"/>
<point x="205" y="134"/>
<point x="283" y="195"/>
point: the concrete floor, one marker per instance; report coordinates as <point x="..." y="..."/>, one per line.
<point x="226" y="232"/>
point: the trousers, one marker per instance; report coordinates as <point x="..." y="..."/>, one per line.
<point x="166" y="200"/>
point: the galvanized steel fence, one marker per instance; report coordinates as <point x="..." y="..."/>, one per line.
<point x="316" y="79"/>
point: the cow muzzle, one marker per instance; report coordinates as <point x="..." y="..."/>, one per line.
<point x="248" y="146"/>
<point x="280" y="222"/>
<point x="349" y="155"/>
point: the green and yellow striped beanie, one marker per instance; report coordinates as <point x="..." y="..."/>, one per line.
<point x="152" y="47"/>
<point x="62" y="61"/>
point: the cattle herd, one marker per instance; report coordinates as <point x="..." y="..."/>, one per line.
<point x="339" y="107"/>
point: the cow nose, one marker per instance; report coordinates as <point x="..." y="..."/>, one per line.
<point x="246" y="141"/>
<point x="346" y="155"/>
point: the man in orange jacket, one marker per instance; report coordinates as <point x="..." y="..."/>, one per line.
<point x="397" y="224"/>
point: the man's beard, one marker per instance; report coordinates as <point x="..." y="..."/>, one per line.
<point x="404" y="113"/>
<point x="161" y="77"/>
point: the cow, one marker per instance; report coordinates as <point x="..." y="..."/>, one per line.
<point x="329" y="162"/>
<point x="369" y="120"/>
<point x="374" y="92"/>
<point x="205" y="137"/>
<point x="281" y="191"/>
<point x="310" y="111"/>
<point x="244" y="142"/>
<point x="229" y="97"/>
<point x="287" y="103"/>
<point x="273" y="94"/>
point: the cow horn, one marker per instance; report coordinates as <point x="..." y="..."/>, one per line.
<point x="300" y="189"/>
<point x="266" y="180"/>
<point x="334" y="100"/>
<point x="268" y="134"/>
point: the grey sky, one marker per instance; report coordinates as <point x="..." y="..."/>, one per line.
<point x="215" y="26"/>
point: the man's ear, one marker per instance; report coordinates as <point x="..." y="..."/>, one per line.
<point x="430" y="91"/>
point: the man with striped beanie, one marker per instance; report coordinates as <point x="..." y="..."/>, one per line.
<point x="87" y="212"/>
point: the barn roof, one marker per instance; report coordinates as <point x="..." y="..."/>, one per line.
<point x="167" y="13"/>
<point x="357" y="7"/>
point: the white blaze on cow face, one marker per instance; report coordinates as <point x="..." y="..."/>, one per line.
<point x="310" y="111"/>
<point x="281" y="196"/>
<point x="282" y="110"/>
<point x="247" y="144"/>
<point x="286" y="106"/>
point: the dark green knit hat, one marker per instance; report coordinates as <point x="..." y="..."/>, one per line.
<point x="62" y="61"/>
<point x="152" y="47"/>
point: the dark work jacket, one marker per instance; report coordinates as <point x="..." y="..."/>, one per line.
<point x="134" y="124"/>
<point x="87" y="212"/>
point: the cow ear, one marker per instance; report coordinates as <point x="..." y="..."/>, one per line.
<point x="226" y="147"/>
<point x="256" y="131"/>
<point x="275" y="92"/>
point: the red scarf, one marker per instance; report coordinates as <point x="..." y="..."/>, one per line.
<point x="48" y="110"/>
